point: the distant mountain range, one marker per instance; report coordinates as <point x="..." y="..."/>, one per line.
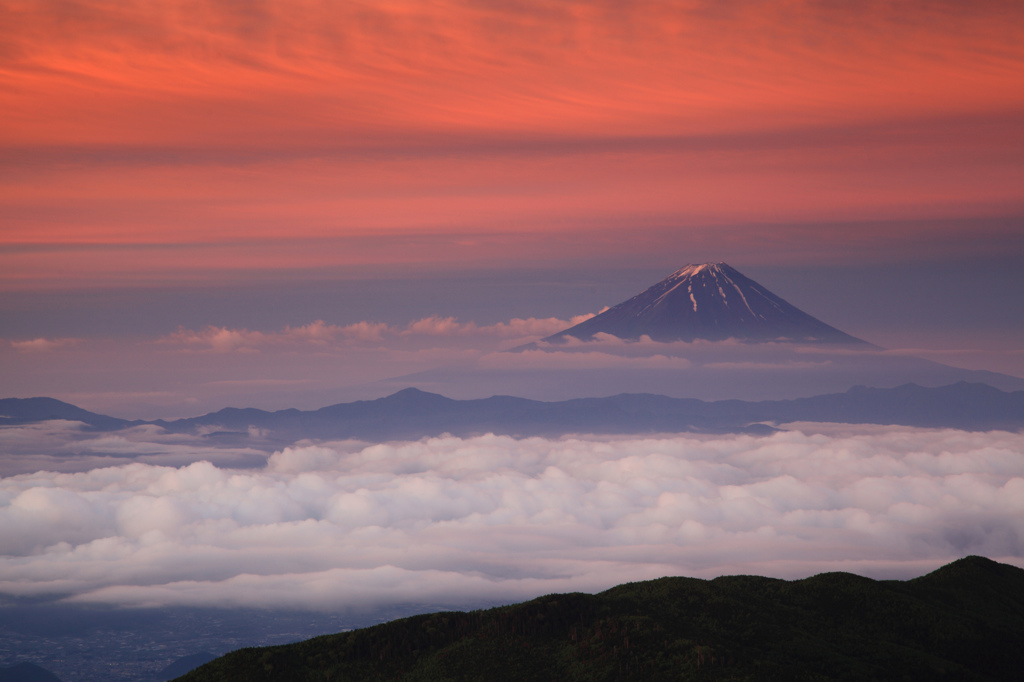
<point x="711" y="301"/>
<point x="411" y="413"/>
<point x="964" y="621"/>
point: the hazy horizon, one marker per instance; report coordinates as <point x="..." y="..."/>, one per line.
<point x="173" y="352"/>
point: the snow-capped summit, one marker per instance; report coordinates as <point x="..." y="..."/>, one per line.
<point x="708" y="301"/>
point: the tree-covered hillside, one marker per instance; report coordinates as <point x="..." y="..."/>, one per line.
<point x="964" y="621"/>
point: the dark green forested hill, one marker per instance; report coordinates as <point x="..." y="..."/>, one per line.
<point x="964" y="621"/>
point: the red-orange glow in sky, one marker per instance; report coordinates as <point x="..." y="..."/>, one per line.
<point x="172" y="140"/>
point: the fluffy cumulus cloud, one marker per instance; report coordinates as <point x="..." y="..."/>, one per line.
<point x="451" y="521"/>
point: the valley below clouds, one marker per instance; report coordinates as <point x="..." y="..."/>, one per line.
<point x="146" y="518"/>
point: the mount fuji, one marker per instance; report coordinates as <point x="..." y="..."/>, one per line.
<point x="711" y="301"/>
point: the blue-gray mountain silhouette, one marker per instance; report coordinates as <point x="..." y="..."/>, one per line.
<point x="412" y="413"/>
<point x="710" y="301"/>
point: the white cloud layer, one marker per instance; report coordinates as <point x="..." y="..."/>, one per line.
<point x="68" y="446"/>
<point x="450" y="521"/>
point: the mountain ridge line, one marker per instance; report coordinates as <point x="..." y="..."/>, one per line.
<point x="413" y="413"/>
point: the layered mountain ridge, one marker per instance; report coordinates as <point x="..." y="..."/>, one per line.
<point x="412" y="413"/>
<point x="709" y="301"/>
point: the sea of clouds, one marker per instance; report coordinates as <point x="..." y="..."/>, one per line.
<point x="465" y="521"/>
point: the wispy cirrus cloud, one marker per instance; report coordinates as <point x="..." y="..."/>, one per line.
<point x="528" y="66"/>
<point x="210" y="140"/>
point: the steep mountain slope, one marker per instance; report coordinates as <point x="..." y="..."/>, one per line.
<point x="710" y="301"/>
<point x="964" y="621"/>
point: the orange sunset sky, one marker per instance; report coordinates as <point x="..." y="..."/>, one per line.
<point x="169" y="141"/>
<point x="233" y="173"/>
